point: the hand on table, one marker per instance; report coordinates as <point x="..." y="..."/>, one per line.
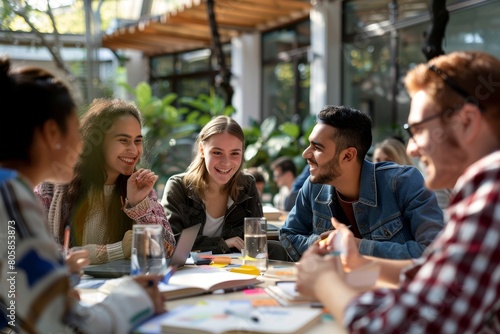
<point x="235" y="242"/>
<point x="311" y="266"/>
<point x="349" y="245"/>
<point x="127" y="244"/>
<point x="77" y="259"/>
<point x="139" y="185"/>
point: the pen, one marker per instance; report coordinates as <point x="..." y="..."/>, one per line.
<point x="170" y="271"/>
<point x="235" y="289"/>
<point x="251" y="317"/>
<point x="66" y="240"/>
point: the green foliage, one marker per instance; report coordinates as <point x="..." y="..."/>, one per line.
<point x="269" y="141"/>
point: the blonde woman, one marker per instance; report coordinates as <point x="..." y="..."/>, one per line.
<point x="214" y="191"/>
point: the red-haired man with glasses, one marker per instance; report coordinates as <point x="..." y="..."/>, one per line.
<point x="454" y="123"/>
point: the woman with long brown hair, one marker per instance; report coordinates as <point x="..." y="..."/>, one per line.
<point x="107" y="194"/>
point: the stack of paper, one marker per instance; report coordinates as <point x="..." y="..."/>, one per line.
<point x="286" y="295"/>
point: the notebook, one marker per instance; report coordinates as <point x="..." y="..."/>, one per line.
<point x="285" y="293"/>
<point x="122" y="267"/>
<point x="232" y="316"/>
<point x="191" y="281"/>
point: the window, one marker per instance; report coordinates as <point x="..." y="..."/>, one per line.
<point x="286" y="73"/>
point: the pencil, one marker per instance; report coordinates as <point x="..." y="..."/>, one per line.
<point x="66" y="240"/>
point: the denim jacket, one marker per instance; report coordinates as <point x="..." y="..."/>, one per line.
<point x="396" y="215"/>
<point x="183" y="209"/>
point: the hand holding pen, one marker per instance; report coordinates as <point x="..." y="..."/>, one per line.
<point x="76" y="258"/>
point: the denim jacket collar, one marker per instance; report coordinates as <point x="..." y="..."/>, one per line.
<point x="367" y="192"/>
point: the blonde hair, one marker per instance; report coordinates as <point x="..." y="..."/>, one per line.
<point x="395" y="150"/>
<point x="197" y="177"/>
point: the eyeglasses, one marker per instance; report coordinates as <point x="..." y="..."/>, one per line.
<point x="455" y="87"/>
<point x="408" y="127"/>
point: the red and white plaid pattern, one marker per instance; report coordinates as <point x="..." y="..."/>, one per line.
<point x="455" y="286"/>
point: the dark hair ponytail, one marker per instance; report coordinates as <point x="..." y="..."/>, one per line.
<point x="29" y="97"/>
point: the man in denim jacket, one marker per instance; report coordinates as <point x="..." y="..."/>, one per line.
<point x="386" y="205"/>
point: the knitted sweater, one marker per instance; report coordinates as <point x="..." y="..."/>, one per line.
<point x="34" y="290"/>
<point x="57" y="209"/>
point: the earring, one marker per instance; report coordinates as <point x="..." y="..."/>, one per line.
<point x="57" y="146"/>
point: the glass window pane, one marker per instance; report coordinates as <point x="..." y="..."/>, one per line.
<point x="194" y="61"/>
<point x="278" y="91"/>
<point x="277" y="41"/>
<point x="192" y="87"/>
<point x="367" y="80"/>
<point x="304" y="33"/>
<point x="161" y="87"/>
<point x="304" y="70"/>
<point x="162" y="66"/>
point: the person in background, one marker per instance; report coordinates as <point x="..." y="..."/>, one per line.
<point x="35" y="291"/>
<point x="392" y="149"/>
<point x="454" y="123"/>
<point x="107" y="194"/>
<point x="214" y="191"/>
<point x="260" y="179"/>
<point x="386" y="205"/>
<point x="284" y="173"/>
<point x="297" y="184"/>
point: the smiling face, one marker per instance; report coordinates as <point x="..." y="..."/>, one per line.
<point x="435" y="144"/>
<point x="223" y="155"/>
<point x="321" y="155"/>
<point x="122" y="147"/>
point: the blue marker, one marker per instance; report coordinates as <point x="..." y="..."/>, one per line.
<point x="170" y="271"/>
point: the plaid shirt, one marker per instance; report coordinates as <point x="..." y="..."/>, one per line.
<point x="455" y="286"/>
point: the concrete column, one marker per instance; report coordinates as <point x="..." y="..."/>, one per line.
<point x="326" y="54"/>
<point x="246" y="72"/>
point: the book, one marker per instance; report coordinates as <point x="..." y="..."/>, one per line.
<point x="232" y="316"/>
<point x="271" y="213"/>
<point x="191" y="281"/>
<point x="286" y="294"/>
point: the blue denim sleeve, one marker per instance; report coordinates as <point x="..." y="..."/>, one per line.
<point x="297" y="234"/>
<point x="419" y="209"/>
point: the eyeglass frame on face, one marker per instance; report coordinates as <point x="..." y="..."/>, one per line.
<point x="455" y="87"/>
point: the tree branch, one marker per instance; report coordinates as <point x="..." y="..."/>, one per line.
<point x="434" y="36"/>
<point x="224" y="72"/>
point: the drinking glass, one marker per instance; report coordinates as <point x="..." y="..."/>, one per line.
<point x="147" y="256"/>
<point x="255" y="252"/>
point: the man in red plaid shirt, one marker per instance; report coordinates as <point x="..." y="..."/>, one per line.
<point x="454" y="124"/>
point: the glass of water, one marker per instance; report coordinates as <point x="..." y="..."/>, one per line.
<point x="255" y="253"/>
<point x="147" y="256"/>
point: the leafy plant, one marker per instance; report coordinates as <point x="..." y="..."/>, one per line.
<point x="268" y="141"/>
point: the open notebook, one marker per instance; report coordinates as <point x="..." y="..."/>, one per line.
<point x="190" y="281"/>
<point x="122" y="267"/>
<point x="232" y="316"/>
